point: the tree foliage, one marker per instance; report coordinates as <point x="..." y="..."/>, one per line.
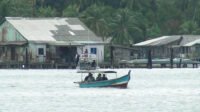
<point x="46" y="12"/>
<point x="123" y="25"/>
<point x="125" y="21"/>
<point x="96" y="17"/>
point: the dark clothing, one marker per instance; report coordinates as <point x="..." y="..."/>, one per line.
<point x="89" y="78"/>
<point x="93" y="64"/>
<point x="77" y="59"/>
<point x="99" y="78"/>
<point x="86" y="51"/>
<point x="86" y="78"/>
<point x="104" y="78"/>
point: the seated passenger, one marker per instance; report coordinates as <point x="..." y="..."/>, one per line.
<point x="104" y="77"/>
<point x="89" y="78"/>
<point x="99" y="78"/>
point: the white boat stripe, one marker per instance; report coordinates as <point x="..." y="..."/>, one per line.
<point x="120" y="83"/>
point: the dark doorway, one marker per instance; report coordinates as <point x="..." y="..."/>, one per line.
<point x="66" y="54"/>
<point x="13" y="53"/>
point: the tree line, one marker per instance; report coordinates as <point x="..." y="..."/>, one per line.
<point x="123" y="21"/>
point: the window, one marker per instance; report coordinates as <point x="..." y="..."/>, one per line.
<point x="93" y="50"/>
<point x="40" y="51"/>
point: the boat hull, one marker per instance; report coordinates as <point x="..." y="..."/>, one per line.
<point x="120" y="82"/>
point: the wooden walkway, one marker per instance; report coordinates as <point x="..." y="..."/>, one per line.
<point x="142" y="63"/>
<point x="16" y="65"/>
<point x="161" y="63"/>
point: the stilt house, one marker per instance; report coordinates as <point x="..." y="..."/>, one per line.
<point x="184" y="46"/>
<point x="32" y="41"/>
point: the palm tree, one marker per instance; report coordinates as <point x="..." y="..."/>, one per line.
<point x="130" y="4"/>
<point x="46" y="12"/>
<point x="4" y="6"/>
<point x="122" y="26"/>
<point x="95" y="18"/>
<point x="21" y="8"/>
<point x="70" y="11"/>
<point x="81" y="5"/>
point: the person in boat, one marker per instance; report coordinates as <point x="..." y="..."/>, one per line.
<point x="86" y="53"/>
<point x="104" y="77"/>
<point x="99" y="78"/>
<point x="93" y="65"/>
<point x="89" y="78"/>
<point x="86" y="78"/>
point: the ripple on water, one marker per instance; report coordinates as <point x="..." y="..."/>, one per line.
<point x="155" y="90"/>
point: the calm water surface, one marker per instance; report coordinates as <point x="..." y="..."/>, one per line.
<point x="155" y="90"/>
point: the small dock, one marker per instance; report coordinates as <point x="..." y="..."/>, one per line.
<point x="20" y="65"/>
<point x="136" y="63"/>
<point x="160" y="63"/>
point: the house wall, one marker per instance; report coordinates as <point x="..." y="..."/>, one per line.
<point x="191" y="52"/>
<point x="50" y="54"/>
<point x="47" y="53"/>
<point x="121" y="54"/>
<point x="8" y="34"/>
<point x="197" y="52"/>
<point x="37" y="52"/>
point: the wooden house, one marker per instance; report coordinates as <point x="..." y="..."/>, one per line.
<point x="184" y="46"/>
<point x="46" y="40"/>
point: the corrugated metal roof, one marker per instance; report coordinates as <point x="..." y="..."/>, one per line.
<point x="165" y="41"/>
<point x="193" y="43"/>
<point x="53" y="29"/>
<point x="148" y="42"/>
<point x="185" y="40"/>
<point x="190" y="40"/>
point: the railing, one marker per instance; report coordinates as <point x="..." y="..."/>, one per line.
<point x="88" y="57"/>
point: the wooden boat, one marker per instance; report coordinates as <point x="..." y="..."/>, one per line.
<point x="120" y="82"/>
<point x="87" y="62"/>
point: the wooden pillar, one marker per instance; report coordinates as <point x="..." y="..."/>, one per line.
<point x="70" y="57"/>
<point x="27" y="60"/>
<point x="180" y="63"/>
<point x="171" y="57"/>
<point x="149" y="63"/>
<point x="111" y="56"/>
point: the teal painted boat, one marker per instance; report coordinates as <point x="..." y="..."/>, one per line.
<point x="121" y="82"/>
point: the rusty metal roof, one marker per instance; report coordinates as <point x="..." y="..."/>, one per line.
<point x="53" y="30"/>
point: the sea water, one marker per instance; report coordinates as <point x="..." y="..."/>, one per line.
<point x="149" y="90"/>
